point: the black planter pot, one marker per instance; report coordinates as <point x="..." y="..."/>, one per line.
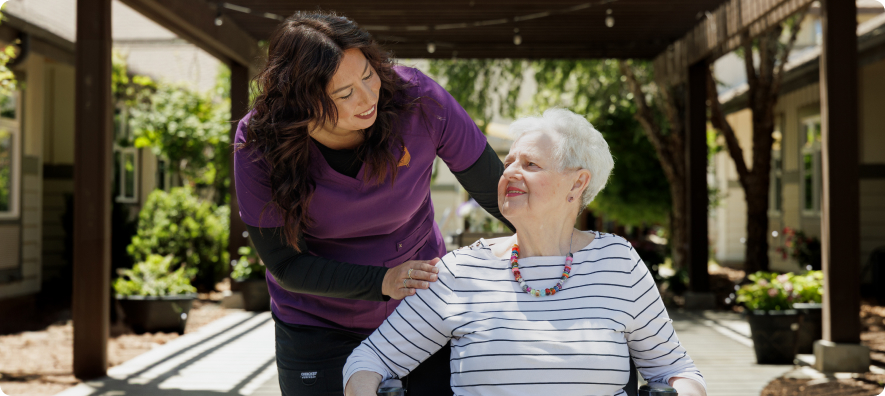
<point x="810" y="325"/>
<point x="774" y="339"/>
<point x="147" y="314"/>
<point x="256" y="297"/>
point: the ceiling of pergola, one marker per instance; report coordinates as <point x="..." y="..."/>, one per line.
<point x="642" y="28"/>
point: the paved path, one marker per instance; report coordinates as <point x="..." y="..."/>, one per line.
<point x="231" y="356"/>
<point x="235" y="356"/>
<point x="720" y="345"/>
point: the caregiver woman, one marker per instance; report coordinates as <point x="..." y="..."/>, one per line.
<point x="332" y="170"/>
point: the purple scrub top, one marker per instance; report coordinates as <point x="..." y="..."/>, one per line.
<point x="359" y="222"/>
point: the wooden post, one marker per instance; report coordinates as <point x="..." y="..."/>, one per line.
<point x="840" y="204"/>
<point x="92" y="188"/>
<point x="239" y="105"/>
<point x="696" y="175"/>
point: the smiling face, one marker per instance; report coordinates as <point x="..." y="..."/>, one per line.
<point x="532" y="189"/>
<point x="354" y="90"/>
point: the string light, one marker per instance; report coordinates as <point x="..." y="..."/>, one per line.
<point x="609" y="20"/>
<point x="431" y="47"/>
<point x="517" y="39"/>
<point x="218" y="20"/>
<point x="447" y="26"/>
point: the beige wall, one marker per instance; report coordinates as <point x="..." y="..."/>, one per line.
<point x="731" y="214"/>
<point x="32" y="186"/>
<point x="872" y="113"/>
<point x="58" y="148"/>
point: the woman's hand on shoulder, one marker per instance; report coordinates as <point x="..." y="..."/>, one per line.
<point x="402" y="280"/>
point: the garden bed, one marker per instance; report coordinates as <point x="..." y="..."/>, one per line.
<point x="38" y="363"/>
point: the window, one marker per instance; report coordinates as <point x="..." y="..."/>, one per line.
<point x="810" y="165"/>
<point x="10" y="159"/>
<point x="775" y="189"/>
<point x="126" y="175"/>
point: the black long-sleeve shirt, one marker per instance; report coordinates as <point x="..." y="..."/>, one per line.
<point x="305" y="273"/>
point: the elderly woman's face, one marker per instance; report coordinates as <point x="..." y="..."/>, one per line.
<point x="532" y="187"/>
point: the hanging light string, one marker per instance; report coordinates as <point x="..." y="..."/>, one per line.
<point x="446" y="26"/>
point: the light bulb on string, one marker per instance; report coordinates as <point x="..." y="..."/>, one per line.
<point x="517" y="39"/>
<point x="431" y="47"/>
<point x="218" y="20"/>
<point x="609" y="20"/>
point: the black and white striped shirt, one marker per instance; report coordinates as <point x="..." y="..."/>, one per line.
<point x="507" y="342"/>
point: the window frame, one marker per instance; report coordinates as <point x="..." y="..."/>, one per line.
<point x="815" y="151"/>
<point x="14" y="126"/>
<point x="120" y="194"/>
<point x="775" y="194"/>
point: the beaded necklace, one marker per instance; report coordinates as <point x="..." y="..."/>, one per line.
<point x="514" y="263"/>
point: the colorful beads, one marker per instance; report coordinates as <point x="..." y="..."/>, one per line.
<point x="514" y="263"/>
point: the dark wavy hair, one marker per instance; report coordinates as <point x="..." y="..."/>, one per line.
<point x="303" y="54"/>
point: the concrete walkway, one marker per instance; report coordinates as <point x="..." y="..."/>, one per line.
<point x="231" y="356"/>
<point x="235" y="356"/>
<point x="720" y="345"/>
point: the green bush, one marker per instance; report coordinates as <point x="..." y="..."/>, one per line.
<point x="153" y="278"/>
<point x="249" y="266"/>
<point x="774" y="292"/>
<point x="194" y="232"/>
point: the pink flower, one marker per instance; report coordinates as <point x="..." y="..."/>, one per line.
<point x="763" y="282"/>
<point x="772" y="292"/>
<point x="782" y="278"/>
<point x="788" y="287"/>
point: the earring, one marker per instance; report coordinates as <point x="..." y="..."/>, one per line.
<point x="570" y="199"/>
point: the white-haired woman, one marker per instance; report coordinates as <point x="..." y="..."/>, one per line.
<point x="548" y="310"/>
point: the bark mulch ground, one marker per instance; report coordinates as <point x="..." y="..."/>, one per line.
<point x="866" y="384"/>
<point x="38" y="362"/>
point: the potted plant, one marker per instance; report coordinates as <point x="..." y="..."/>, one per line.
<point x="154" y="298"/>
<point x="249" y="273"/>
<point x="774" y="321"/>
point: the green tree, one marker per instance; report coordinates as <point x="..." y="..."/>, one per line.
<point x="187" y="128"/>
<point x="637" y="192"/>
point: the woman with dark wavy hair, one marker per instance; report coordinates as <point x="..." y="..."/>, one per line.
<point x="332" y="172"/>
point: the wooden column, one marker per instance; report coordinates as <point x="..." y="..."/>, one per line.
<point x="840" y="204"/>
<point x="696" y="175"/>
<point x="93" y="136"/>
<point x="239" y="105"/>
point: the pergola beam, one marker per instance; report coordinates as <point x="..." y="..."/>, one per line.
<point x="721" y="31"/>
<point x="194" y="21"/>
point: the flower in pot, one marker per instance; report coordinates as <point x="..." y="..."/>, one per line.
<point x="153" y="297"/>
<point x="774" y="321"/>
<point x="249" y="273"/>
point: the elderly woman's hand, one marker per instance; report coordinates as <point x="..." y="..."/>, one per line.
<point x="402" y="280"/>
<point x="687" y="387"/>
<point x="363" y="383"/>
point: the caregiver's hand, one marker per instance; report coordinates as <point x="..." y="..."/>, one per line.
<point x="397" y="284"/>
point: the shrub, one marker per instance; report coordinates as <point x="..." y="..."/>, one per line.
<point x="153" y="278"/>
<point x="773" y="292"/>
<point x="249" y="266"/>
<point x="194" y="232"/>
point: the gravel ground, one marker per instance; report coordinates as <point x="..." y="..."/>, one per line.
<point x="39" y="363"/>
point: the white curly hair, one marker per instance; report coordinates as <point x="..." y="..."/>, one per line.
<point x="580" y="146"/>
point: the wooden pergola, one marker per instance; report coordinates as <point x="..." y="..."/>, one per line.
<point x="681" y="36"/>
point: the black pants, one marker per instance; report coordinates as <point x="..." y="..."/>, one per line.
<point x="310" y="361"/>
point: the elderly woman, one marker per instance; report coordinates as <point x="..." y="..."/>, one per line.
<point x="548" y="310"/>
